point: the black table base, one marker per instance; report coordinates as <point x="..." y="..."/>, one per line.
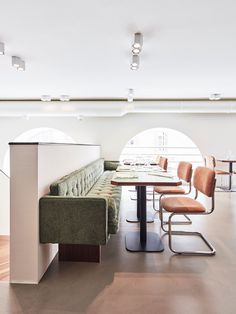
<point x="143" y="241"/>
<point x="153" y="242"/>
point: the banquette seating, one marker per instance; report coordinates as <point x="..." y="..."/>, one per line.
<point x="81" y="211"/>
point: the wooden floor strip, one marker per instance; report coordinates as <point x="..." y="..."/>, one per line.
<point x="4" y="257"/>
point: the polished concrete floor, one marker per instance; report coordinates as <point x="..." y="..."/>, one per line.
<point x="127" y="282"/>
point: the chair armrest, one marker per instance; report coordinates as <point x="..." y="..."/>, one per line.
<point x="73" y="220"/>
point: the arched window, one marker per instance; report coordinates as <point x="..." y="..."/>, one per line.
<point x="45" y="135"/>
<point x="176" y="146"/>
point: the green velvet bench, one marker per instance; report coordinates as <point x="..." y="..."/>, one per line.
<point x="81" y="212"/>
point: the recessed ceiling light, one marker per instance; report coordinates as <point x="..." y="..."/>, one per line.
<point x="2" y="49"/>
<point x="64" y="98"/>
<point x="46" y="98"/>
<point x="215" y="96"/>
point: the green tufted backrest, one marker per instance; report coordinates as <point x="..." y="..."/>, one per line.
<point x="79" y="182"/>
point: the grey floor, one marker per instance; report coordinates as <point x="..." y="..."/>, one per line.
<point x="141" y="282"/>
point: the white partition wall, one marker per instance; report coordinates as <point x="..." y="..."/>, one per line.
<point x="34" y="166"/>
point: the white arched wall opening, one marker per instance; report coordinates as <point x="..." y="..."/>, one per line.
<point x="148" y="144"/>
<point x="114" y="133"/>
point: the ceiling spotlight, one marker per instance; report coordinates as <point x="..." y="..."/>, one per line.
<point x="135" y="62"/>
<point x="130" y="97"/>
<point x="16" y="61"/>
<point x="46" y="98"/>
<point x="135" y="51"/>
<point x="138" y="41"/>
<point x="64" y="98"/>
<point x="2" y="49"/>
<point x="21" y="66"/>
<point x="215" y="97"/>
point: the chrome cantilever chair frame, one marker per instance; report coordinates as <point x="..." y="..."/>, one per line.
<point x="170" y="233"/>
<point x="188" y="220"/>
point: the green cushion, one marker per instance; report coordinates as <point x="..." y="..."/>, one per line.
<point x="111" y="164"/>
<point x="104" y="188"/>
<point x="83" y="207"/>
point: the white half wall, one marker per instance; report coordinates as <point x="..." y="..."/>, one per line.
<point x="4" y="204"/>
<point x="33" y="168"/>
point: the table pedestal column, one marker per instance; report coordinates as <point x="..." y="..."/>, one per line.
<point x="143" y="241"/>
<point x="134" y="217"/>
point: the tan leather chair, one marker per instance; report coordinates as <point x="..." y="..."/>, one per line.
<point x="184" y="172"/>
<point x="204" y="182"/>
<point x="163" y="162"/>
<point x="210" y="162"/>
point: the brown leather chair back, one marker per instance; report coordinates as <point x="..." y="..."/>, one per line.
<point x="210" y="162"/>
<point x="204" y="180"/>
<point x="163" y="163"/>
<point x="184" y="171"/>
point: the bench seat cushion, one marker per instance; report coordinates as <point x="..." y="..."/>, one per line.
<point x="103" y="188"/>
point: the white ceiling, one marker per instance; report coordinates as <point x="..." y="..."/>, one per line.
<point x="83" y="48"/>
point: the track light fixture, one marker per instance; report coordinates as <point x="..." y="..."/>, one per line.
<point x="136" y="49"/>
<point x="15" y="61"/>
<point x="46" y="98"/>
<point x="2" y="49"/>
<point x="21" y="66"/>
<point x="215" y="96"/>
<point x="130" y="97"/>
<point x="135" y="62"/>
<point x="18" y="63"/>
<point x="64" y="98"/>
<point x="138" y="43"/>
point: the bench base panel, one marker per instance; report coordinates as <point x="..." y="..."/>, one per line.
<point x="80" y="253"/>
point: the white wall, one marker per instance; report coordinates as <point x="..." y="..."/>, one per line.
<point x="33" y="169"/>
<point x="212" y="133"/>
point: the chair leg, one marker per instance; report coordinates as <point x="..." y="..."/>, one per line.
<point x="153" y="201"/>
<point x="211" y="251"/>
<point x="187" y="222"/>
<point x="161" y="218"/>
